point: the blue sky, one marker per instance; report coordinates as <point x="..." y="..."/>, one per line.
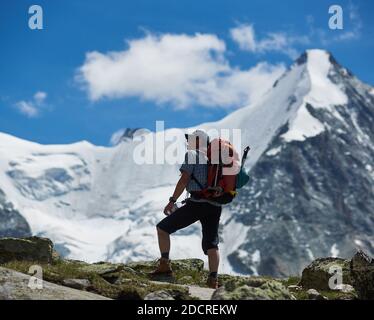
<point x="184" y="62"/>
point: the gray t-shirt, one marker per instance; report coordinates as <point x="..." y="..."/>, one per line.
<point x="196" y="163"/>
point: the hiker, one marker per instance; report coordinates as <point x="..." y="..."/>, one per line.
<point x="194" y="178"/>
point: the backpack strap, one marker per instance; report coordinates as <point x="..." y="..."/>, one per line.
<point x="244" y="158"/>
<point x="197" y="181"/>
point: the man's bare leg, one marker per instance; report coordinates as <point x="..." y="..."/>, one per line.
<point x="213" y="259"/>
<point x="163" y="241"/>
<point x="164" y="266"/>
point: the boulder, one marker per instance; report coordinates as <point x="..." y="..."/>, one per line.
<point x="345" y="288"/>
<point x="252" y="289"/>
<point x="313" y="294"/>
<point x="317" y="274"/>
<point x="159" y="295"/>
<point x="362" y="273"/>
<point x="15" y="286"/>
<point x="294" y="288"/>
<point x="80" y="284"/>
<point x="26" y="249"/>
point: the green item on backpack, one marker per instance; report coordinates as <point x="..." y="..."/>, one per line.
<point x="242" y="178"/>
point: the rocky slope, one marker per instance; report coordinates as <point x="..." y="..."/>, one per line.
<point x="72" y="279"/>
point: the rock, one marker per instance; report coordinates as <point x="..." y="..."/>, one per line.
<point x="317" y="274"/>
<point x="188" y="264"/>
<point x="294" y="288"/>
<point x="102" y="268"/>
<point x="122" y="281"/>
<point x="345" y="288"/>
<point x="252" y="289"/>
<point x="129" y="270"/>
<point x="26" y="249"/>
<point x="200" y="293"/>
<point x="362" y="273"/>
<point x="159" y="295"/>
<point x="80" y="284"/>
<point x="123" y="276"/>
<point x="313" y="294"/>
<point x="14" y="286"/>
<point x="177" y="265"/>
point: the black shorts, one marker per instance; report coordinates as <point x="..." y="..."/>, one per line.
<point x="192" y="211"/>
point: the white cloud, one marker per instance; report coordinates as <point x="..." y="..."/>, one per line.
<point x="39" y="97"/>
<point x="181" y="70"/>
<point x="245" y="36"/>
<point x="27" y="108"/>
<point x="31" y="108"/>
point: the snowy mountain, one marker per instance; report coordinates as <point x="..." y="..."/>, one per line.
<point x="311" y="192"/>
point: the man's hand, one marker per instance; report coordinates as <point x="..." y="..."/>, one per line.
<point x="181" y="185"/>
<point x="169" y="208"/>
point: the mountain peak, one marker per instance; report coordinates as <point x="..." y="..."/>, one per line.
<point x="311" y="54"/>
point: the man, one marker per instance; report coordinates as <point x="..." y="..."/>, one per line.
<point x="195" y="209"/>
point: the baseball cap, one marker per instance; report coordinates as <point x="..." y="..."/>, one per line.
<point x="202" y="135"/>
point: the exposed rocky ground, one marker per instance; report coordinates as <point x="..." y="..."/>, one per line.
<point x="12" y="223"/>
<point x="78" y="280"/>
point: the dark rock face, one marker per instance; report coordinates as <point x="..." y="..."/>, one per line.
<point x="362" y="272"/>
<point x="129" y="134"/>
<point x="313" y="195"/>
<point x="12" y="224"/>
<point x="357" y="276"/>
<point x="318" y="273"/>
<point x="26" y="249"/>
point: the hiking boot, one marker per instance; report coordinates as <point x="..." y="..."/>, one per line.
<point x="212" y="282"/>
<point x="163" y="268"/>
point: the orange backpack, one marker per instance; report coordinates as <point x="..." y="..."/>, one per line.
<point x="222" y="171"/>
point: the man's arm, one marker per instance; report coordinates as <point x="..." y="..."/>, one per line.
<point x="181" y="185"/>
<point x="186" y="169"/>
<point x="179" y="188"/>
